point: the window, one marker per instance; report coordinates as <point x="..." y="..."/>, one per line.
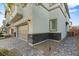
<point x="53" y="24"/>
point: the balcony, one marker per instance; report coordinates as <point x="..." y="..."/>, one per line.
<point x="17" y="14"/>
<point x="17" y="17"/>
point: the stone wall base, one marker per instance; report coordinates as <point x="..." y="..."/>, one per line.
<point x="36" y="38"/>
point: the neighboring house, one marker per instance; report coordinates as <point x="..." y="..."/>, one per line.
<point x="39" y="22"/>
<point x="6" y="27"/>
<point x="74" y="30"/>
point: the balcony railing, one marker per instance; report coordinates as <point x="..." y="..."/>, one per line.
<point x="17" y="17"/>
<point x="17" y="14"/>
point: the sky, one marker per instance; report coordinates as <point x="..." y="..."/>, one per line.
<point x="2" y="12"/>
<point x="74" y="13"/>
<point x="73" y="10"/>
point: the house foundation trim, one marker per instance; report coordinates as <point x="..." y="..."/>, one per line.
<point x="36" y="38"/>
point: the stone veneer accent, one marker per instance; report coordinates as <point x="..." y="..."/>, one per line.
<point x="36" y="38"/>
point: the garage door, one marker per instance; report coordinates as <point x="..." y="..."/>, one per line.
<point x="22" y="32"/>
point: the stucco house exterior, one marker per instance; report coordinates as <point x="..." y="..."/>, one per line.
<point x="38" y="22"/>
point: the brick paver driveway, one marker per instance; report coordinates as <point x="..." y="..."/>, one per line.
<point x="64" y="48"/>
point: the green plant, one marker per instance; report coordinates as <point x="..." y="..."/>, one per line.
<point x="6" y="52"/>
<point x="1" y="34"/>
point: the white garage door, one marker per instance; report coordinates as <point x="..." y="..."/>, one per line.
<point x="23" y="32"/>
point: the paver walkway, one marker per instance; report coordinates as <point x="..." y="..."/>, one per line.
<point x="65" y="48"/>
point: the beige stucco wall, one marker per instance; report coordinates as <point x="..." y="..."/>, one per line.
<point x="61" y="27"/>
<point x="27" y="15"/>
<point x="40" y="18"/>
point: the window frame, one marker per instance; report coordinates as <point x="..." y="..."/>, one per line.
<point x="50" y="25"/>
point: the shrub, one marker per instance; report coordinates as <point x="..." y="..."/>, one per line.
<point x="1" y="34"/>
<point x="6" y="52"/>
